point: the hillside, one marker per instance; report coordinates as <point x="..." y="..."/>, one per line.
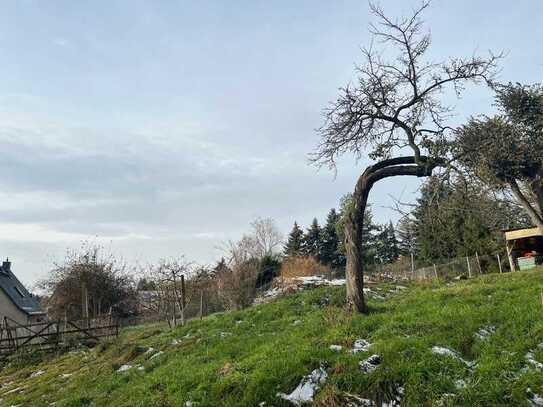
<point x="245" y="358"/>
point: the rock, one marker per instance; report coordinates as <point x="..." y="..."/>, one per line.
<point x="370" y="364"/>
<point x="65" y="375"/>
<point x="150" y="350"/>
<point x="174" y="342"/>
<point x="307" y="388"/>
<point x="336" y="348"/>
<point x="297" y="322"/>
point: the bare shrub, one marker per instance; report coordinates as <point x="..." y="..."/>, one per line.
<point x="302" y="266"/>
<point x="237" y="284"/>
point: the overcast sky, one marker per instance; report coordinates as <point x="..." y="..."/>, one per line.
<point x="159" y="128"/>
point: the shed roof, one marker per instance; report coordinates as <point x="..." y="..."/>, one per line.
<point x="17" y="292"/>
<point x="523" y="233"/>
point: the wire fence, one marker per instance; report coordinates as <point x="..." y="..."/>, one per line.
<point x="214" y="298"/>
<point x="455" y="268"/>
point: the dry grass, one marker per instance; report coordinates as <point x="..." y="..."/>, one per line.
<point x="302" y="266"/>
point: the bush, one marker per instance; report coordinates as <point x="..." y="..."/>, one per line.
<point x="302" y="266"/>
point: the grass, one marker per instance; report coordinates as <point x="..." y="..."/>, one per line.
<point x="244" y="358"/>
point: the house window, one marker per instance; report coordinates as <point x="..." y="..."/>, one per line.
<point x="19" y="292"/>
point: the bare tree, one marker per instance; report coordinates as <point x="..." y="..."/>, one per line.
<point x="394" y="113"/>
<point x="170" y="297"/>
<point x="266" y="236"/>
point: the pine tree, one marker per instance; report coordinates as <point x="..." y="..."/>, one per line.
<point x="312" y="245"/>
<point x="386" y="245"/>
<point x="293" y="247"/>
<point x="329" y="253"/>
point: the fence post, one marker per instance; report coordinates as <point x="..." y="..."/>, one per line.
<point x="435" y="271"/>
<point x="499" y="263"/>
<point x="412" y="265"/>
<point x="183" y="300"/>
<point x="469" y="267"/>
<point x="201" y="304"/>
<point x="478" y="263"/>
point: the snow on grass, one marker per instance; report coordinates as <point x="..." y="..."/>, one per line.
<point x="535" y="400"/>
<point x="156" y="355"/>
<point x="124" y="368"/>
<point x="38" y="373"/>
<point x="360" y="345"/>
<point x="484" y="333"/>
<point x="307" y="388"/>
<point x="440" y="350"/>
<point x="531" y="360"/>
<point x="370" y="364"/>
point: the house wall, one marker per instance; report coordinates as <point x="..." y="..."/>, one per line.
<point x="8" y="309"/>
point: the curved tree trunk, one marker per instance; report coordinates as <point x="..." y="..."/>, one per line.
<point x="354" y="271"/>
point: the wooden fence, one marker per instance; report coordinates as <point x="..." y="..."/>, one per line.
<point x="52" y="335"/>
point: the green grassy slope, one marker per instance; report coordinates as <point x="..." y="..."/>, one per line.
<point x="245" y="358"/>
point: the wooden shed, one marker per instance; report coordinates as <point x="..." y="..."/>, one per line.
<point x="524" y="247"/>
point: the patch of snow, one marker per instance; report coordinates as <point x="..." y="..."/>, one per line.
<point x="336" y="348"/>
<point x="38" y="373"/>
<point x="360" y="345"/>
<point x="485" y="332"/>
<point x="460" y="384"/>
<point x="440" y="350"/>
<point x="370" y="364"/>
<point x="15" y="390"/>
<point x="357" y="401"/>
<point x="396" y="398"/>
<point x="124" y="368"/>
<point x="338" y="281"/>
<point x="156" y="355"/>
<point x="535" y="400"/>
<point x="307" y="388"/>
<point x="445" y="399"/>
<point x="531" y="360"/>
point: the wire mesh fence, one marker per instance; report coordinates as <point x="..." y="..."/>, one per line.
<point x="455" y="268"/>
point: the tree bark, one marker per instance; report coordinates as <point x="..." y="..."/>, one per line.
<point x="535" y="217"/>
<point x="354" y="271"/>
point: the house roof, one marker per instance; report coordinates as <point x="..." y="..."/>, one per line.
<point x="523" y="233"/>
<point x="17" y="292"/>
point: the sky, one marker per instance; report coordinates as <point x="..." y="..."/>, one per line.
<point x="163" y="128"/>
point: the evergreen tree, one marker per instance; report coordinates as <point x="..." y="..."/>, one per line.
<point x="294" y="244"/>
<point x="313" y="240"/>
<point x="386" y="245"/>
<point x="461" y="218"/>
<point x="329" y="252"/>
